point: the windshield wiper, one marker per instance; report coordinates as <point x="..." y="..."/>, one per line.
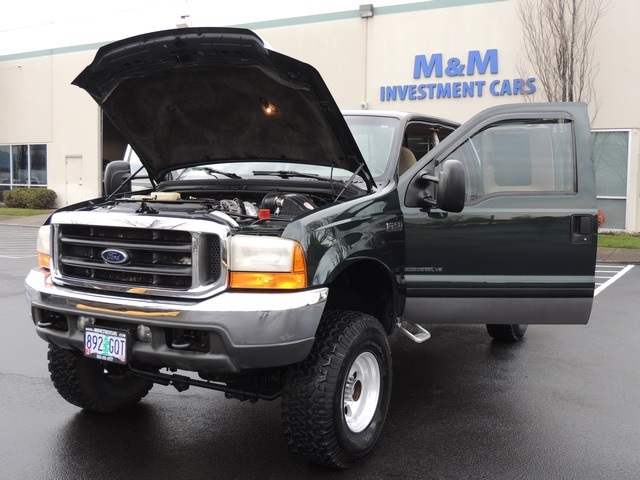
<point x="293" y="173"/>
<point x="212" y="171"/>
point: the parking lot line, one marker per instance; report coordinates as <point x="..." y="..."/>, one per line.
<point x="620" y="272"/>
<point x="17" y="242"/>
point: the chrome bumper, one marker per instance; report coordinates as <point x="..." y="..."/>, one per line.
<point x="246" y="330"/>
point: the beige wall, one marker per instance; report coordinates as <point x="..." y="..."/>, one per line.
<point x="356" y="57"/>
<point x="76" y="131"/>
<point x="395" y="40"/>
<point x="39" y="105"/>
<point x="25" y="100"/>
<point x="336" y="49"/>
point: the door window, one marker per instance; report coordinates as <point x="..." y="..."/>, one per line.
<point x="519" y="157"/>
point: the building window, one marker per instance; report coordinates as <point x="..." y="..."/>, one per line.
<point x="610" y="151"/>
<point x="23" y="166"/>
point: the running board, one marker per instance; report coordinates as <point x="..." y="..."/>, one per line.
<point x="420" y="335"/>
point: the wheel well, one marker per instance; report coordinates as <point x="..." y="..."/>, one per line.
<point x="364" y="286"/>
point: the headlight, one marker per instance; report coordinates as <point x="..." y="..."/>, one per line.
<point x="266" y="262"/>
<point x="43" y="246"/>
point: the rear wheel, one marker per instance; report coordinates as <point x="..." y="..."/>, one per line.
<point x="507" y="333"/>
<point x="335" y="403"/>
<point x="94" y="385"/>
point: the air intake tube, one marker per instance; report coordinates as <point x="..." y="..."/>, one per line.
<point x="288" y="204"/>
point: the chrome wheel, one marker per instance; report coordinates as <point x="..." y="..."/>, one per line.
<point x="361" y="392"/>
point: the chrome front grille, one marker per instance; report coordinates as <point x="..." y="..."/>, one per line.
<point x="159" y="257"/>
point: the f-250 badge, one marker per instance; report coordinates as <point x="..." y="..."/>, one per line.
<point x="394" y="226"/>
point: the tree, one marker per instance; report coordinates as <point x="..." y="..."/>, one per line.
<point x="558" y="44"/>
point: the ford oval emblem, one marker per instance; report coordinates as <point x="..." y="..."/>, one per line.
<point x="115" y="256"/>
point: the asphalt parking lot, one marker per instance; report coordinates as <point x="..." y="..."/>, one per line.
<point x="561" y="404"/>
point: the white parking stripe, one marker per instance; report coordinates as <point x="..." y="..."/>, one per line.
<point x="617" y="276"/>
<point x="17" y="242"/>
<point x="604" y="271"/>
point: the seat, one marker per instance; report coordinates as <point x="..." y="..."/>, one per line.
<point x="407" y="160"/>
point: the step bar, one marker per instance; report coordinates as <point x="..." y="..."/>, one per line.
<point x="415" y="332"/>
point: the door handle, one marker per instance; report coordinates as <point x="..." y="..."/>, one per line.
<point x="582" y="230"/>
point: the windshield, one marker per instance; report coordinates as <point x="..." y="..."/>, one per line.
<point x="375" y="137"/>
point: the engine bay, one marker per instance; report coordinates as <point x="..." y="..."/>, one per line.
<point x="239" y="204"/>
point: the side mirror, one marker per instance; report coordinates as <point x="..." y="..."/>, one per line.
<point x="450" y="193"/>
<point x="115" y="174"/>
<point x="444" y="191"/>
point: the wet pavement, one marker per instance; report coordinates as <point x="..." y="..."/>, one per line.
<point x="561" y="404"/>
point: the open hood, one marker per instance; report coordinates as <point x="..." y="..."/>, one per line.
<point x="195" y="96"/>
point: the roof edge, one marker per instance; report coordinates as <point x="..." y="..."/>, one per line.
<point x="284" y="22"/>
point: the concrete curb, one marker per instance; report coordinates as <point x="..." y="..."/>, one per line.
<point x="618" y="255"/>
<point x="30" y="221"/>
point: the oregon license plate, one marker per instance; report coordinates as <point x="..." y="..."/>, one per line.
<point x="106" y="344"/>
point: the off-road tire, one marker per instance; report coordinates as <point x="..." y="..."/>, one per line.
<point x="92" y="385"/>
<point x="334" y="404"/>
<point x="507" y="333"/>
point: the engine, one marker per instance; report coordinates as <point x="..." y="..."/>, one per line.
<point x="282" y="206"/>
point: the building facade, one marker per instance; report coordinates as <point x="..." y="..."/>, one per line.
<point x="448" y="59"/>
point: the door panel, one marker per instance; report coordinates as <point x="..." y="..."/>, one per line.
<point x="524" y="246"/>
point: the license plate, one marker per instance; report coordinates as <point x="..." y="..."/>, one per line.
<point x="106" y="344"/>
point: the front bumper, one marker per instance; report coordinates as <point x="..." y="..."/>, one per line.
<point x="244" y="330"/>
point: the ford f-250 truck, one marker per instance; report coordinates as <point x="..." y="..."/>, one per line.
<point x="285" y="240"/>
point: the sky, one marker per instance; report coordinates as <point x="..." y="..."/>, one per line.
<point x="32" y="25"/>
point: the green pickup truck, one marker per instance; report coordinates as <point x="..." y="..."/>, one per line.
<point x="283" y="240"/>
